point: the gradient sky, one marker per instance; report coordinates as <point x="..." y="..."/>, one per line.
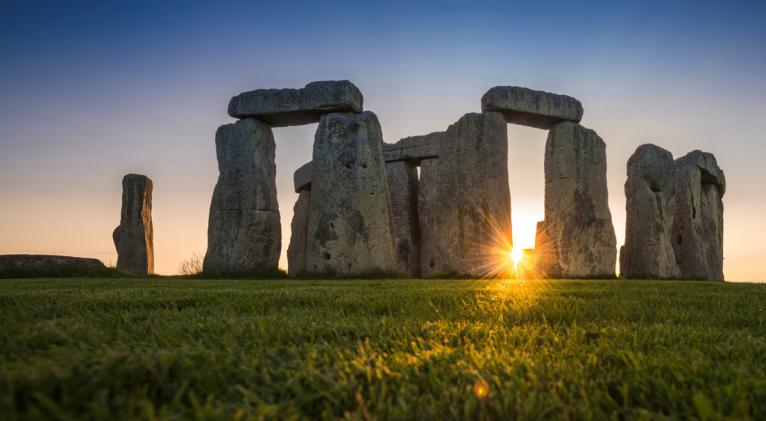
<point x="90" y="92"/>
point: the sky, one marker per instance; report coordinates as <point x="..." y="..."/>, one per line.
<point x="92" y="91"/>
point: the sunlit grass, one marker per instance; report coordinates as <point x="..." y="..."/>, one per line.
<point x="386" y="349"/>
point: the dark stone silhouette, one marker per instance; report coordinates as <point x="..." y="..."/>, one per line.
<point x="134" y="237"/>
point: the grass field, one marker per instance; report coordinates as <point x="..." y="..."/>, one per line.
<point x="385" y="349"/>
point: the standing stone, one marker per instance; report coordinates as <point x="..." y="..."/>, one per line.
<point x="544" y="259"/>
<point x="350" y="228"/>
<point x="244" y="234"/>
<point x="296" y="251"/>
<point x="134" y="237"/>
<point x="464" y="199"/>
<point x="649" y="190"/>
<point x="531" y="108"/>
<point x="302" y="177"/>
<point x="403" y="188"/>
<point x="698" y="221"/>
<point x="576" y="239"/>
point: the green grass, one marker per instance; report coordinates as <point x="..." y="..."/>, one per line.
<point x="386" y="349"/>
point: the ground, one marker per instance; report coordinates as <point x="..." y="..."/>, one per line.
<point x="387" y="349"/>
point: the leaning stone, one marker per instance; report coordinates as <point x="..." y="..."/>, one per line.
<point x="403" y="187"/>
<point x="291" y="107"/>
<point x="698" y="221"/>
<point x="40" y="265"/>
<point x="296" y="251"/>
<point x="244" y="235"/>
<point x="649" y="193"/>
<point x="350" y="228"/>
<point x="302" y="178"/>
<point x="464" y="199"/>
<point x="414" y="149"/>
<point x="134" y="237"/>
<point x="531" y="108"/>
<point x="576" y="239"/>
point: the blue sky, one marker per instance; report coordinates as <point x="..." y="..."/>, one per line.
<point x="91" y="91"/>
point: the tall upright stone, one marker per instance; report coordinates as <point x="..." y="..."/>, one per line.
<point x="134" y="237"/>
<point x="296" y="251"/>
<point x="349" y="230"/>
<point x="577" y="238"/>
<point x="649" y="193"/>
<point x="464" y="199"/>
<point x="698" y="222"/>
<point x="244" y="235"/>
<point x="403" y="188"/>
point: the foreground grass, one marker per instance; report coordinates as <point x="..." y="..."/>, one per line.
<point x="387" y="349"/>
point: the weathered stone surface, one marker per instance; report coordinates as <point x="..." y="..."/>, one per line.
<point x="350" y="229"/>
<point x="414" y="148"/>
<point x="403" y="188"/>
<point x="464" y="199"/>
<point x="296" y="251"/>
<point x="410" y="149"/>
<point x="244" y="233"/>
<point x="134" y="237"/>
<point x="698" y="221"/>
<point x="577" y="238"/>
<point x="290" y="107"/>
<point x="649" y="193"/>
<point x="531" y="108"/>
<point x="302" y="177"/>
<point x="40" y="265"/>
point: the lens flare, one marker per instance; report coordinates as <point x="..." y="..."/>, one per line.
<point x="481" y="389"/>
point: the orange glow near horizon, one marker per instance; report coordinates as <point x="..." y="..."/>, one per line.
<point x="508" y="251"/>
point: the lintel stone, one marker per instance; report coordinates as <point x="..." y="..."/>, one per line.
<point x="293" y="107"/>
<point x="528" y="107"/>
<point x="414" y="148"/>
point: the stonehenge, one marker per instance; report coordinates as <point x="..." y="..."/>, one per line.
<point x="440" y="203"/>
<point x="674" y="226"/>
<point x="576" y="238"/>
<point x="461" y="220"/>
<point x="244" y="232"/>
<point x="134" y="237"/>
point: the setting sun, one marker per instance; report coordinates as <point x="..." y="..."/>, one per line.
<point x="516" y="255"/>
